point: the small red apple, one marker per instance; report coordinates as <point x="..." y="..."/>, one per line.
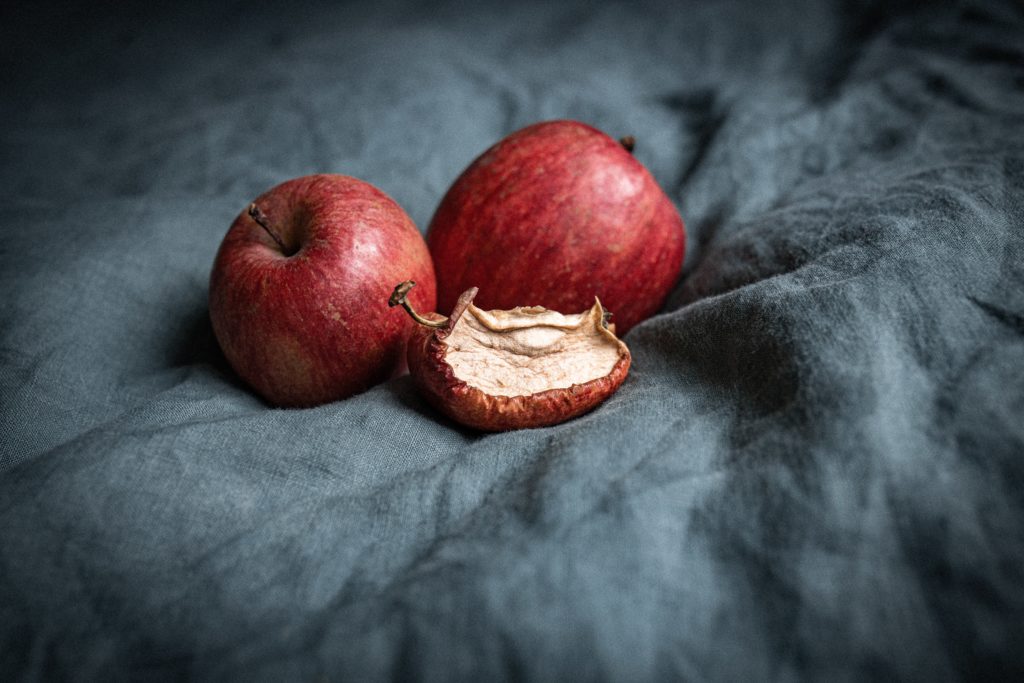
<point x="516" y="369"/>
<point x="554" y="215"/>
<point x="299" y="287"/>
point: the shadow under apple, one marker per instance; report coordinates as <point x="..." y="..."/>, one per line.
<point x="195" y="346"/>
<point x="404" y="390"/>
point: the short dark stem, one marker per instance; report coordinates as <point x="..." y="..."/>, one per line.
<point x="264" y="222"/>
<point x="399" y="298"/>
<point x="628" y="142"/>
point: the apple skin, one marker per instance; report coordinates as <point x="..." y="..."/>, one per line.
<point x="554" y="215"/>
<point x="470" y="406"/>
<point x="314" y="326"/>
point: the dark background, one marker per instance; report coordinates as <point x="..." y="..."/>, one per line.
<point x="815" y="469"/>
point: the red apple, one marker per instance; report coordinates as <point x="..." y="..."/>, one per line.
<point x="299" y="288"/>
<point x="554" y="215"/>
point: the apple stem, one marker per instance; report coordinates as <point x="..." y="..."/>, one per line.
<point x="628" y="142"/>
<point x="264" y="222"/>
<point x="398" y="298"/>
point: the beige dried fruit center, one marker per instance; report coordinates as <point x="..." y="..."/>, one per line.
<point x="528" y="350"/>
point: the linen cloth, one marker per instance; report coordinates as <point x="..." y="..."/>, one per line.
<point x="814" y="470"/>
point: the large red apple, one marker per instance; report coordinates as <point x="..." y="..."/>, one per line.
<point x="554" y="215"/>
<point x="299" y="289"/>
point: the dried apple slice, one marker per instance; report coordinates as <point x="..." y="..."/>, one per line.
<point x="525" y="367"/>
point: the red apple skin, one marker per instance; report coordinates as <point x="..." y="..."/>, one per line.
<point x="554" y="215"/>
<point x="314" y="326"/>
<point x="470" y="406"/>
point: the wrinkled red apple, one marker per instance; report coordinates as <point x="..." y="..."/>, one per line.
<point x="298" y="288"/>
<point x="554" y="215"/>
<point x="520" y="368"/>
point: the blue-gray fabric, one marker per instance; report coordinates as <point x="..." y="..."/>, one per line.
<point x="814" y="470"/>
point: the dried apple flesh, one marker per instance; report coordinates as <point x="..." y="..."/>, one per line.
<point x="529" y="350"/>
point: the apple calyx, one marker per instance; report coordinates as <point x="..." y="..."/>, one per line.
<point x="628" y="142"/>
<point x="261" y="219"/>
<point x="513" y="369"/>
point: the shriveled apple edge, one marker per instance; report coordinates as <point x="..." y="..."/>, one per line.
<point x="475" y="408"/>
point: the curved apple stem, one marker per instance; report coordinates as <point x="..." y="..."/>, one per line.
<point x="261" y="218"/>
<point x="628" y="142"/>
<point x="398" y="298"/>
